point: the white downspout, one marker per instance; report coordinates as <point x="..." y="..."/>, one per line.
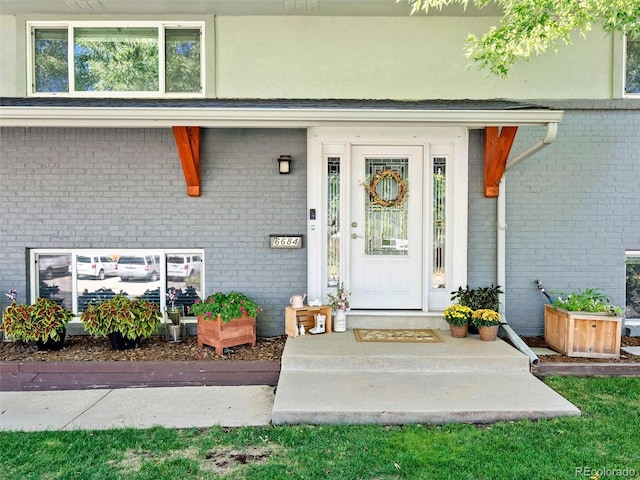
<point x="501" y="274"/>
<point x="552" y="132"/>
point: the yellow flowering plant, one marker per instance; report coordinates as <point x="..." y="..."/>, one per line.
<point x="457" y="315"/>
<point x="485" y="318"/>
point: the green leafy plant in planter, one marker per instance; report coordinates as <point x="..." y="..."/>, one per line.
<point x="43" y="322"/>
<point x="478" y="299"/>
<point x="588" y="300"/>
<point x="125" y="321"/>
<point x="583" y="324"/>
<point x="226" y="320"/>
<point x="227" y="306"/>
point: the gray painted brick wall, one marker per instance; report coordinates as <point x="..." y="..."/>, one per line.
<point x="481" y="247"/>
<point x="573" y="210"/>
<point x="97" y="188"/>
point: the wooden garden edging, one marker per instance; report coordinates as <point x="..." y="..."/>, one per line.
<point x="29" y="376"/>
<point x="587" y="369"/>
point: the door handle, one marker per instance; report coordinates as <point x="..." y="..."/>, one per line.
<point x="355" y="235"/>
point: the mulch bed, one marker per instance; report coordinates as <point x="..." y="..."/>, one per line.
<point x="84" y="348"/>
<point x="624" y="357"/>
<point x="626" y="366"/>
<point x="88" y="362"/>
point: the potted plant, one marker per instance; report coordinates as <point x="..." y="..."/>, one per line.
<point x="173" y="312"/>
<point x="125" y="321"/>
<point x="225" y="320"/>
<point x="478" y="299"/>
<point x="43" y="322"/>
<point x="339" y="303"/>
<point x="488" y="322"/>
<point x="583" y="324"/>
<point x="174" y="330"/>
<point x="458" y="316"/>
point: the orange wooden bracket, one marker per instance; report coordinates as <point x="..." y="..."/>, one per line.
<point x="188" y="143"/>
<point x="497" y="145"/>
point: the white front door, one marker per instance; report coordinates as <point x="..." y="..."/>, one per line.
<point x="385" y="231"/>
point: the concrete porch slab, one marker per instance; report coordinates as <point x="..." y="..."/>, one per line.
<point x="328" y="379"/>
<point x="341" y="351"/>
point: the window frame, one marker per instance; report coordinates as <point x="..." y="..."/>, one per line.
<point x="629" y="254"/>
<point x="70" y="26"/>
<point x="626" y="94"/>
<point x="34" y="273"/>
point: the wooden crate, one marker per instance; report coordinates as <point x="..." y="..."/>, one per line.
<point x="294" y="317"/>
<point x="582" y="334"/>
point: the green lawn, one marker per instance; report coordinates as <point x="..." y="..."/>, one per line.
<point x="606" y="437"/>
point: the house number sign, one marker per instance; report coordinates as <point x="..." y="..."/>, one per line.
<point x="286" y="241"/>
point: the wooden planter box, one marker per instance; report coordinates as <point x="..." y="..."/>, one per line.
<point x="582" y="334"/>
<point x="220" y="335"/>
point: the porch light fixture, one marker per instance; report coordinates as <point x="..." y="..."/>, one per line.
<point x="284" y="164"/>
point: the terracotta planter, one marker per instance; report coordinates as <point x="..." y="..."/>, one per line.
<point x="220" y="335"/>
<point x="488" y="334"/>
<point x="459" y="331"/>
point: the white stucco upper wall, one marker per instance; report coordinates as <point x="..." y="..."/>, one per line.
<point x="400" y="58"/>
<point x="8" y="45"/>
<point x="361" y="57"/>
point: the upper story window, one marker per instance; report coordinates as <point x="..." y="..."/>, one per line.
<point x="116" y="60"/>
<point x="632" y="64"/>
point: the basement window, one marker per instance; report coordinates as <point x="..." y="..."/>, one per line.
<point x="633" y="285"/>
<point x="108" y="59"/>
<point x="75" y="277"/>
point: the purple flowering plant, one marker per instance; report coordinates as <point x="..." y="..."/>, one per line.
<point x="12" y="294"/>
<point x="172" y="296"/>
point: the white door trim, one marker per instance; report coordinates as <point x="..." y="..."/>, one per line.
<point x="326" y="142"/>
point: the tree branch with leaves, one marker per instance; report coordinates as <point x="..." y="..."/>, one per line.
<point x="531" y="27"/>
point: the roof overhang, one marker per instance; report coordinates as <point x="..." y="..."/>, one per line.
<point x="255" y="117"/>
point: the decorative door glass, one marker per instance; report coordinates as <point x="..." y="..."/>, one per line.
<point x="386" y="207"/>
<point x="333" y="221"/>
<point x="438" y="275"/>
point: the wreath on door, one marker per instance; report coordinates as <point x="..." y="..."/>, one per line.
<point x="375" y="195"/>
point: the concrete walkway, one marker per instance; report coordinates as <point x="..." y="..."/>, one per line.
<point x="324" y="379"/>
<point x="172" y="407"/>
